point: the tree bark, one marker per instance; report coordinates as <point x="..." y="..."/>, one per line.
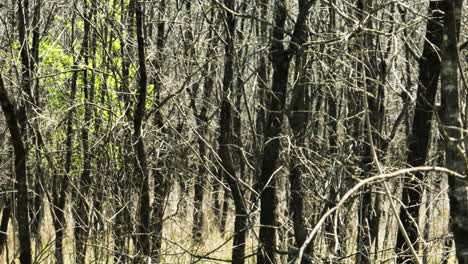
<point x="6" y="212"/>
<point x="368" y="73"/>
<point x="297" y="121"/>
<point x="452" y="130"/>
<point x="21" y="185"/>
<point x="141" y="166"/>
<point x="124" y="185"/>
<point x="226" y="139"/>
<point x="332" y="241"/>
<point x="261" y="102"/>
<point x="202" y="119"/>
<point x="420" y="134"/>
<point x="280" y="58"/>
<point x="161" y="184"/>
<point x="37" y="210"/>
<point x="81" y="213"/>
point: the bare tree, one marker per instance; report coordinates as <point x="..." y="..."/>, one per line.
<point x="21" y="184"/>
<point x="451" y="127"/>
<point x="280" y="57"/>
<point x="226" y="140"/>
<point x="419" y="138"/>
<point x="141" y="165"/>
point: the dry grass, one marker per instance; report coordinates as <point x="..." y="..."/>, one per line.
<point x="178" y="246"/>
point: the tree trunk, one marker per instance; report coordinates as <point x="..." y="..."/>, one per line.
<point x="451" y="129"/>
<point x="262" y="95"/>
<point x="226" y="139"/>
<point x="141" y="167"/>
<point x="368" y="73"/>
<point x="297" y="121"/>
<point x="124" y="185"/>
<point x="37" y="210"/>
<point x="332" y="128"/>
<point x="161" y="184"/>
<point x="419" y="138"/>
<point x="21" y="185"/>
<point x="280" y="58"/>
<point x="6" y="212"/>
<point x="272" y="144"/>
<point x="202" y="125"/>
<point x="81" y="213"/>
<point x="224" y="209"/>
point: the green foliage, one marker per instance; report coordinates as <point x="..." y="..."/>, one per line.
<point x="116" y="45"/>
<point x="53" y="55"/>
<point x="68" y="24"/>
<point x="15" y="45"/>
<point x="56" y="62"/>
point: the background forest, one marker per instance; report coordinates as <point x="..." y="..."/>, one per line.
<point x="229" y="131"/>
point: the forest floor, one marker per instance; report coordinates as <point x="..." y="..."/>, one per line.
<point x="178" y="246"/>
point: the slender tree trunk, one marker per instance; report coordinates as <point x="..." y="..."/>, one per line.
<point x="22" y="25"/>
<point x="98" y="93"/>
<point x="141" y="166"/>
<point x="37" y="210"/>
<point x="61" y="188"/>
<point x="262" y="92"/>
<point x="202" y="125"/>
<point x="368" y="73"/>
<point x="297" y="121"/>
<point x="201" y="120"/>
<point x="420" y="134"/>
<point x="6" y="212"/>
<point x="268" y="199"/>
<point x="6" y="205"/>
<point x="17" y="125"/>
<point x="224" y="208"/>
<point x="124" y="185"/>
<point x="226" y="139"/>
<point x="161" y="184"/>
<point x="427" y="225"/>
<point x="81" y="213"/>
<point x="332" y="128"/>
<point x="280" y="59"/>
<point x="452" y="130"/>
<point x="21" y="185"/>
<point x="198" y="215"/>
<point x="216" y="191"/>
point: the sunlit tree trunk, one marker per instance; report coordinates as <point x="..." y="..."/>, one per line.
<point x="452" y="129"/>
